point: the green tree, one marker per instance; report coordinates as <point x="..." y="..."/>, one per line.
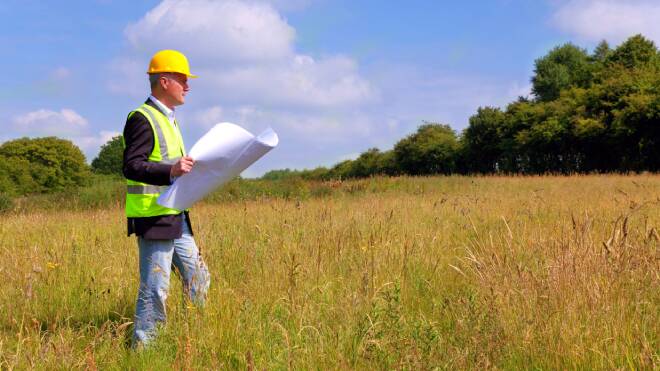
<point x="110" y="158"/>
<point x="15" y="177"/>
<point x="601" y="52"/>
<point x="519" y="116"/>
<point x="387" y="164"/>
<point x="53" y="164"/>
<point x="431" y="150"/>
<point x="373" y="162"/>
<point x="635" y="123"/>
<point x="318" y="173"/>
<point x="480" y="141"/>
<point x="625" y="105"/>
<point x="6" y="202"/>
<point x="637" y="51"/>
<point x="342" y="170"/>
<point x="365" y="165"/>
<point x="565" y="66"/>
<point x="281" y="174"/>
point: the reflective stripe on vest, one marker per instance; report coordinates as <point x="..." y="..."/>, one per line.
<point x="162" y="143"/>
<point x="135" y="189"/>
<point x="141" y="198"/>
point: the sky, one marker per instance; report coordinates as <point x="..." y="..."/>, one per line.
<point x="332" y="77"/>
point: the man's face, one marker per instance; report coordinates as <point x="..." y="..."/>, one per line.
<point x="175" y="87"/>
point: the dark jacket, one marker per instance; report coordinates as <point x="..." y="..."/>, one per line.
<point x="139" y="138"/>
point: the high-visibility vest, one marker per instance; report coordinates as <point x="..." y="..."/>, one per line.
<point x="168" y="148"/>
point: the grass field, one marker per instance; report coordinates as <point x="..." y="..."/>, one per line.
<point x="412" y="273"/>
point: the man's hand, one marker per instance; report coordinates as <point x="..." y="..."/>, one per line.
<point x="183" y="166"/>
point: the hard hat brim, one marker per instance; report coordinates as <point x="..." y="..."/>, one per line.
<point x="190" y="75"/>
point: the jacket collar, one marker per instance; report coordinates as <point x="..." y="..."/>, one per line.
<point x="151" y="103"/>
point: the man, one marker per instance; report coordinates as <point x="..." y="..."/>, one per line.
<point x="154" y="155"/>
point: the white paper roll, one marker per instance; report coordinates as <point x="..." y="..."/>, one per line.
<point x="220" y="155"/>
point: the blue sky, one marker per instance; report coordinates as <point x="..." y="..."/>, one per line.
<point x="333" y="78"/>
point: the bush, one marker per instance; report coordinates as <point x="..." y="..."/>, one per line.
<point x="42" y="165"/>
<point x="110" y="158"/>
<point x="431" y="150"/>
<point x="6" y="203"/>
<point x="16" y="177"/>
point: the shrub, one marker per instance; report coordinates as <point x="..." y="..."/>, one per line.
<point x="431" y="150"/>
<point x="43" y="165"/>
<point x="110" y="158"/>
<point x="6" y="203"/>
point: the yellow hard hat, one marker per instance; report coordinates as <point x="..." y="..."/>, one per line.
<point x="169" y="61"/>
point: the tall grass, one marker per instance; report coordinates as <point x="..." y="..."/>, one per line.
<point x="109" y="191"/>
<point x="419" y="273"/>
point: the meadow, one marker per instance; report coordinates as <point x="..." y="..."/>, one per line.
<point x="453" y="272"/>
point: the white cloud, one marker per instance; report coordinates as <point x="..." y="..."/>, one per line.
<point x="612" y="20"/>
<point x="244" y="54"/>
<point x="320" y="127"/>
<point x="90" y="144"/>
<point x="300" y="81"/>
<point x="209" y="116"/>
<point x="227" y="30"/>
<point x="66" y="124"/>
<point x="414" y="94"/>
<point x="290" y="5"/>
<point x="128" y="76"/>
<point x="61" y="73"/>
<point x="245" y="113"/>
<point x="47" y="122"/>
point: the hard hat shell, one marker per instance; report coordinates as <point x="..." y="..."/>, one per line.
<point x="169" y="61"/>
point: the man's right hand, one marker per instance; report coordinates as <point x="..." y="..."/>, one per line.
<point x="183" y="166"/>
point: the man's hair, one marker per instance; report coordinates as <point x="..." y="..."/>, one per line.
<point x="153" y="79"/>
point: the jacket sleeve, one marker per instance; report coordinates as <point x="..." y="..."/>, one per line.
<point x="139" y="139"/>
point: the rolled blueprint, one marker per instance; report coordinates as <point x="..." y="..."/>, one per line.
<point x="220" y="155"/>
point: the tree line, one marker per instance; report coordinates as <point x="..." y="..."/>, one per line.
<point x="50" y="164"/>
<point x="589" y="112"/>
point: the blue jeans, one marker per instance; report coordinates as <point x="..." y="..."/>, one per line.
<point x="156" y="260"/>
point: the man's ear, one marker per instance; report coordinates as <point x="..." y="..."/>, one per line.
<point x="162" y="82"/>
